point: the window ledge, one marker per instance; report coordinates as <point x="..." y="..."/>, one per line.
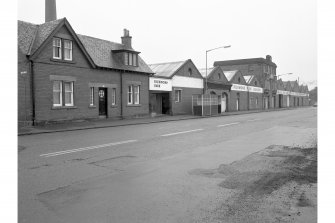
<point x="134" y="105"/>
<point x="63" y="61"/>
<point x="113" y="106"/>
<point x="92" y="106"/>
<point x="63" y="107"/>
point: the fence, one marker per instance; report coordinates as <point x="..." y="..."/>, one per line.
<point x="205" y="105"/>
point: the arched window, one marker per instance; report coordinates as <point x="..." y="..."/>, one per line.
<point x="219" y="76"/>
<point x="256" y="83"/>
<point x="189" y="71"/>
<point x="239" y="79"/>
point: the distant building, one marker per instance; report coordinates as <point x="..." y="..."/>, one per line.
<point x="263" y="69"/>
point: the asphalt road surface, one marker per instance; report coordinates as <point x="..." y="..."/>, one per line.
<point x="141" y="173"/>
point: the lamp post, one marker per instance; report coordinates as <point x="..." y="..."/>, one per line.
<point x="206" y="60"/>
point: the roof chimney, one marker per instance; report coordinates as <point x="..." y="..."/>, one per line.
<point x="126" y="39"/>
<point x="269" y="58"/>
<point x="50" y="10"/>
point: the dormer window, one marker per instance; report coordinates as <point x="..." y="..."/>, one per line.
<point x="130" y="59"/>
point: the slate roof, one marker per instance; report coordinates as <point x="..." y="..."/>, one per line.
<point x="101" y="52"/>
<point x="166" y="69"/>
<point x="32" y="36"/>
<point x="244" y="61"/>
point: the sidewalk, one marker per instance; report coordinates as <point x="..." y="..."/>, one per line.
<point x="106" y="123"/>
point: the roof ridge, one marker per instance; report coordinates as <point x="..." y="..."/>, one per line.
<point x="27" y="22"/>
<point x="99" y="39"/>
<point x="168" y="62"/>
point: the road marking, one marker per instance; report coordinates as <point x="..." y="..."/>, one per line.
<point x="176" y="133"/>
<point x="234" y="123"/>
<point x="85" y="148"/>
<point x="252" y="120"/>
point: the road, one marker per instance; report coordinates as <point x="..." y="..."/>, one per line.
<point x="141" y="173"/>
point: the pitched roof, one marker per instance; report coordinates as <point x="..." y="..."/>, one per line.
<point x="101" y="52"/>
<point x="43" y="32"/>
<point x="230" y="74"/>
<point x="166" y="69"/>
<point x="248" y="78"/>
<point x="244" y="61"/>
<point x="26" y="34"/>
<point x="203" y="71"/>
<point x="32" y="36"/>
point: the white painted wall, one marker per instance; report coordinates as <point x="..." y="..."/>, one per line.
<point x="187" y="82"/>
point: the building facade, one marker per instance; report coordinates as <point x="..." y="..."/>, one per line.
<point x="67" y="76"/>
<point x="172" y="87"/>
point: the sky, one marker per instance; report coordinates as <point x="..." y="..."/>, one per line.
<point x="175" y="30"/>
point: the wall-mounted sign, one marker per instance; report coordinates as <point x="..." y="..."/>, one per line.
<point x="239" y="87"/>
<point x="298" y="94"/>
<point x="187" y="82"/>
<point x="283" y="92"/>
<point x="160" y="84"/>
<point x="255" y="89"/>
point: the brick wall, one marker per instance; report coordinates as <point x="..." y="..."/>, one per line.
<point x="185" y="106"/>
<point x="243" y="105"/>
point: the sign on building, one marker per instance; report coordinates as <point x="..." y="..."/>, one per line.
<point x="160" y="84"/>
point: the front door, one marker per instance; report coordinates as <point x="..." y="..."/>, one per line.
<point x="223" y="103"/>
<point x="102" y="93"/>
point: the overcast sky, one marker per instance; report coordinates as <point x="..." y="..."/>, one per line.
<point x="174" y="30"/>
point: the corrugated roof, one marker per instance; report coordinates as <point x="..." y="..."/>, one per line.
<point x="26" y="34"/>
<point x="203" y="71"/>
<point x="166" y="69"/>
<point x="230" y="74"/>
<point x="248" y="78"/>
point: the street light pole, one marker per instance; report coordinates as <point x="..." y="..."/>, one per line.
<point x="206" y="60"/>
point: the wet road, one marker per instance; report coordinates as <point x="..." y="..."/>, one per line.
<point x="141" y="173"/>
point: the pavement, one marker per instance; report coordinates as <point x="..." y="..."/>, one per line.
<point x="106" y="123"/>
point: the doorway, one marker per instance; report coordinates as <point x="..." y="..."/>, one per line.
<point x="223" y="103"/>
<point x="102" y="93"/>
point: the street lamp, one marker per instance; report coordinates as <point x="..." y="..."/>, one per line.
<point x="206" y="59"/>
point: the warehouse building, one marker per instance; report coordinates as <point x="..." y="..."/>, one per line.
<point x="255" y="92"/>
<point x="172" y="87"/>
<point x="238" y="100"/>
<point x="216" y="83"/>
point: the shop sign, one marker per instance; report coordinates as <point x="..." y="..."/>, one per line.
<point x="298" y="94"/>
<point x="239" y="87"/>
<point x="160" y="84"/>
<point x="283" y="92"/>
<point x="255" y="89"/>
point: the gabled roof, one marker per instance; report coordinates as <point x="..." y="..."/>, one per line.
<point x="248" y="78"/>
<point x="167" y="69"/>
<point x="209" y="71"/>
<point x="32" y="38"/>
<point x="230" y="74"/>
<point x="101" y="52"/>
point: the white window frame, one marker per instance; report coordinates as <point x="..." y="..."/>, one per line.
<point x="55" y="46"/>
<point x="113" y="96"/>
<point x="91" y="96"/>
<point x="71" y="91"/>
<point x="130" y="94"/>
<point x="66" y="48"/>
<point x="177" y="98"/>
<point x="60" y="93"/>
<point x="136" y="95"/>
<point x="130" y="59"/>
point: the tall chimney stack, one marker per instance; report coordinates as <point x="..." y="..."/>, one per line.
<point x="50" y="10"/>
<point x="126" y="39"/>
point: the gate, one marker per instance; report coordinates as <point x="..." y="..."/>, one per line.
<point x="205" y="105"/>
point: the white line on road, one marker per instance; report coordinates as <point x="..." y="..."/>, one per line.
<point x="85" y="148"/>
<point x="176" y="133"/>
<point x="234" y="123"/>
